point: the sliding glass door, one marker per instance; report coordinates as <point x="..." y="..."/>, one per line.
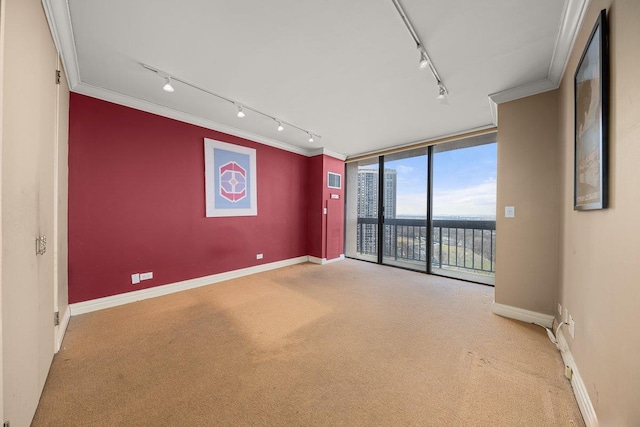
<point x="404" y="200"/>
<point x="464" y="209"/>
<point x="431" y="209"/>
<point x="361" y="237"/>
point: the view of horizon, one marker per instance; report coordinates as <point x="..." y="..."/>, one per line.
<point x="453" y="196"/>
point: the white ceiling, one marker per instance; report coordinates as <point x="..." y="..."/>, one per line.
<point x="345" y="70"/>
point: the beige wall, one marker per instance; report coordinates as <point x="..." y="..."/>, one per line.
<point x="587" y="261"/>
<point x="527" y="250"/>
<point x="600" y="271"/>
<point x="2" y="24"/>
<point x="29" y="201"/>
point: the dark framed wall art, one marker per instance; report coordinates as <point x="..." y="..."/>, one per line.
<point x="591" y="85"/>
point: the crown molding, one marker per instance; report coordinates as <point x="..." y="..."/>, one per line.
<point x="327" y="152"/>
<point x="523" y="91"/>
<point x="161" y="110"/>
<point x="572" y="16"/>
<point x="494" y="111"/>
<point x="59" y="19"/>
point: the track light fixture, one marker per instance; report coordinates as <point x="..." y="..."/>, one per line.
<point x="167" y="86"/>
<point x="442" y="93"/>
<point x="425" y="61"/>
<point x="241" y="107"/>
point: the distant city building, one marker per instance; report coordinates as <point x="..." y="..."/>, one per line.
<point x="367" y="206"/>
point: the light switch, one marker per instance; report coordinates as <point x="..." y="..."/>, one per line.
<point x="135" y="279"/>
<point x="509" y="211"/>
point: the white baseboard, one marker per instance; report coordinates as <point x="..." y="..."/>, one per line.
<point x="523" y="315"/>
<point x="142" y="294"/>
<point x="579" y="388"/>
<point x="323" y="261"/>
<point x="61" y="329"/>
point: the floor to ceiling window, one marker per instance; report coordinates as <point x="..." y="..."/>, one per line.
<point x="404" y="201"/>
<point x="361" y="238"/>
<point x="464" y="209"/>
<point x="393" y="218"/>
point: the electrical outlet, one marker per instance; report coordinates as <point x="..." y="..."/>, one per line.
<point x="146" y="276"/>
<point x="135" y="279"/>
<point x="559" y="309"/>
<point x="572" y="327"/>
<point x="259" y="256"/>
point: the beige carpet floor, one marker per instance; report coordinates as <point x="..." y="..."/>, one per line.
<point x="344" y="344"/>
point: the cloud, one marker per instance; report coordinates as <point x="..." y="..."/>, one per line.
<point x="476" y="200"/>
<point x="414" y="204"/>
<point x="479" y="200"/>
<point x="403" y="169"/>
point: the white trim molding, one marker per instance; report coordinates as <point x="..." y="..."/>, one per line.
<point x="579" y="388"/>
<point x="323" y="261"/>
<point x="523" y="315"/>
<point x="494" y="110"/>
<point x="327" y="152"/>
<point x="523" y="91"/>
<point x="572" y="16"/>
<point x="142" y="294"/>
<point x="161" y="110"/>
<point x="61" y="329"/>
<point x="59" y="19"/>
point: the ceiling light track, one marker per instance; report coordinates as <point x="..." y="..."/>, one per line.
<point x="425" y="61"/>
<point x="241" y="107"/>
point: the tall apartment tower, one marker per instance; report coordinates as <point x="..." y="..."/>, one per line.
<point x="367" y="206"/>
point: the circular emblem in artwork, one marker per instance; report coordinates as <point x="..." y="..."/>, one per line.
<point x="233" y="182"/>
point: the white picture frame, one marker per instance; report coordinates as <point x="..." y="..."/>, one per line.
<point x="230" y="179"/>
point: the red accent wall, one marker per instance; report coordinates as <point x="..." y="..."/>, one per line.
<point x="136" y="202"/>
<point x="315" y="194"/>
<point x="325" y="230"/>
<point x="334" y="223"/>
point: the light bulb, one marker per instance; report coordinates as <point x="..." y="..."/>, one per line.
<point x="442" y="94"/>
<point x="240" y="112"/>
<point x="167" y="87"/>
<point x="280" y="127"/>
<point x="310" y="138"/>
<point x="424" y="62"/>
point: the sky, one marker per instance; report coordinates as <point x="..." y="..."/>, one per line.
<point x="464" y="183"/>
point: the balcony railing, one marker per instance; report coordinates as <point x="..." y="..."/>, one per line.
<point x="462" y="245"/>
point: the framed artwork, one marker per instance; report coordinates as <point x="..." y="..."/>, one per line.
<point x="591" y="85"/>
<point x="230" y="179"/>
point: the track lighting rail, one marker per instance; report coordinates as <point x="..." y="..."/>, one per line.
<point x="424" y="61"/>
<point x="241" y="107"/>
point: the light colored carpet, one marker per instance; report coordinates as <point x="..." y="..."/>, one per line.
<point x="344" y="344"/>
